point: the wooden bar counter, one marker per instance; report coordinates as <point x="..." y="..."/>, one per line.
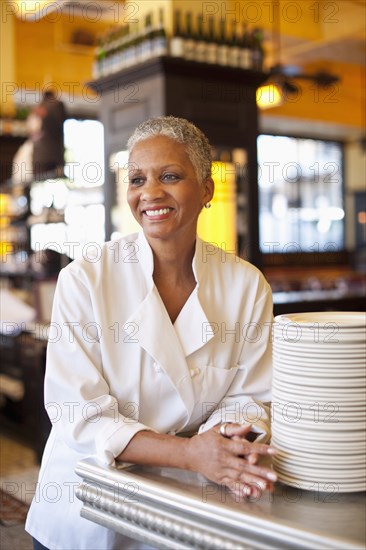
<point x="178" y="510"/>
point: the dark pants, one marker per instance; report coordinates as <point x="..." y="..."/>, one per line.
<point x="37" y="545"/>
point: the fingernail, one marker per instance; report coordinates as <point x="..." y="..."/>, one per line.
<point x="247" y="491"/>
<point x="272" y="476"/>
<point x="272" y="451"/>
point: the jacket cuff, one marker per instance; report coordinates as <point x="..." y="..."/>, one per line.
<point x="118" y="441"/>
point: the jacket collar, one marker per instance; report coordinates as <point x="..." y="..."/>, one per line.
<point x="169" y="344"/>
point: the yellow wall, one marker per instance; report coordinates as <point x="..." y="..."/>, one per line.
<point x="7" y="63"/>
<point x="341" y="103"/>
<point x="43" y="53"/>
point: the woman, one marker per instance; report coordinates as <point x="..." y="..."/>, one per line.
<point x="159" y="337"/>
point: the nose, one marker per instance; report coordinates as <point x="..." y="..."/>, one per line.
<point x="152" y="190"/>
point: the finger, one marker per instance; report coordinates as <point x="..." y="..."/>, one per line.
<point x="261" y="471"/>
<point x="237" y="467"/>
<point x="248" y="486"/>
<point x="237" y="429"/>
<point x="244" y="447"/>
<point x="249" y="478"/>
<point x="252" y="458"/>
<point x="238" y="487"/>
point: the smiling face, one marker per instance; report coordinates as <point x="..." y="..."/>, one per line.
<point x="164" y="193"/>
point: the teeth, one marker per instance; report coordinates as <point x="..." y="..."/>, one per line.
<point x="157" y="212"/>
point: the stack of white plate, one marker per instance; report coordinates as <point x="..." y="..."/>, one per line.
<point x="318" y="401"/>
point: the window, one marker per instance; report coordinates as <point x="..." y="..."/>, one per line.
<point x="68" y="213"/>
<point x="301" y="205"/>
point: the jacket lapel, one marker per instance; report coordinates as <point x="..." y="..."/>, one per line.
<point x="170" y="345"/>
<point x="157" y="336"/>
<point x="191" y="325"/>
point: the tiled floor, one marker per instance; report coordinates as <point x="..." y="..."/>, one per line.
<point x="18" y="467"/>
<point x="18" y="476"/>
<point x="15" y="456"/>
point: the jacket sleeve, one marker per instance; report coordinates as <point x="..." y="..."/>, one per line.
<point x="251" y="387"/>
<point x="78" y="400"/>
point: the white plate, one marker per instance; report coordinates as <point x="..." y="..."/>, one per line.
<point x="317" y="394"/>
<point x="341" y="450"/>
<point x="296" y="334"/>
<point x="353" y="378"/>
<point x="306" y="359"/>
<point x="318" y="459"/>
<point x="355" y="475"/>
<point x="295" y="461"/>
<point x="326" y="428"/>
<point x="315" y="370"/>
<point x="339" y="484"/>
<point x="332" y="488"/>
<point x="326" y="413"/>
<point x="313" y="444"/>
<point x="348" y="319"/>
<point x="327" y="417"/>
<point x="320" y="347"/>
<point x="316" y="349"/>
<point x="316" y="381"/>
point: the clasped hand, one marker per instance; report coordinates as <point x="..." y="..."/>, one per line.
<point x="232" y="460"/>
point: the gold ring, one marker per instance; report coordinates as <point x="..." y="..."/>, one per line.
<point x="223" y="429"/>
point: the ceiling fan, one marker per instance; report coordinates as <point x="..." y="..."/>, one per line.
<point x="286" y="77"/>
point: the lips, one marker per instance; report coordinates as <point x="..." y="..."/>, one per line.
<point x="153" y="213"/>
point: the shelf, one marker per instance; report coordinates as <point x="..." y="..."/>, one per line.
<point x="181" y="67"/>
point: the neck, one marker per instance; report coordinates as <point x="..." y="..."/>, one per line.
<point x="172" y="260"/>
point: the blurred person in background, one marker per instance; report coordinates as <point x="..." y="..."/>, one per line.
<point x="46" y="127"/>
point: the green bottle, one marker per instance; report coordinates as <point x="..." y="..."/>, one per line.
<point x="245" y="57"/>
<point x="189" y="42"/>
<point x="234" y="49"/>
<point x="211" y="43"/>
<point x="146" y="47"/>
<point x="176" y="46"/>
<point x="257" y="49"/>
<point x="223" y="48"/>
<point x="200" y="46"/>
<point x="159" y="39"/>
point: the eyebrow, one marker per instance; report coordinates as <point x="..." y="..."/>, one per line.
<point x="137" y="171"/>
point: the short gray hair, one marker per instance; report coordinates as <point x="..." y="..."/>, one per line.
<point x="184" y="132"/>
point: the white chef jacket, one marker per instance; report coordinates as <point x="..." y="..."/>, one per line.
<point x="117" y="365"/>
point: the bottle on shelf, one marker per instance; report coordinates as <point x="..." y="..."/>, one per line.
<point x="159" y="39"/>
<point x="257" y="49"/>
<point x="200" y="47"/>
<point x="245" y="57"/>
<point x="121" y="47"/>
<point x="176" y="46"/>
<point x="143" y="41"/>
<point x="189" y="42"/>
<point x="107" y="57"/>
<point x="234" y="49"/>
<point x="113" y="52"/>
<point x="211" y="43"/>
<point x="223" y="47"/>
<point x="99" y="58"/>
<point x="133" y="47"/>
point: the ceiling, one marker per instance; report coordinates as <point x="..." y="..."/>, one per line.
<point x="336" y="40"/>
<point x="343" y="40"/>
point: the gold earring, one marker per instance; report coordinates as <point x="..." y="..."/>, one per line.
<point x="208" y="205"/>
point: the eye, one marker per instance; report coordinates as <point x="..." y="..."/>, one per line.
<point x="170" y="177"/>
<point x="136" y="180"/>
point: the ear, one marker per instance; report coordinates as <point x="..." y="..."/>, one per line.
<point x="208" y="188"/>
